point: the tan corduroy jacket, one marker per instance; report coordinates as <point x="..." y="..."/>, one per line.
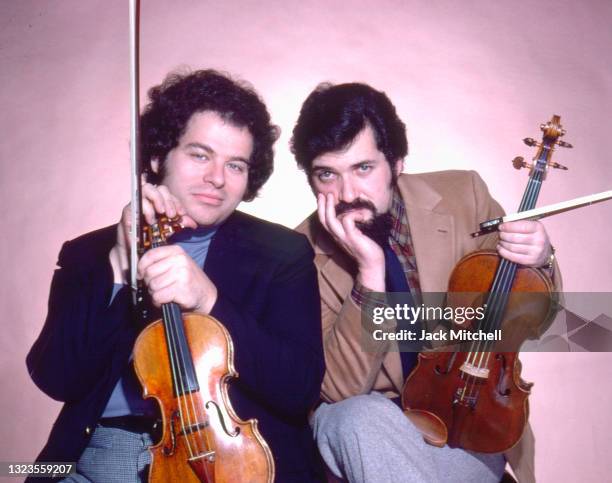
<point x="443" y="208"/>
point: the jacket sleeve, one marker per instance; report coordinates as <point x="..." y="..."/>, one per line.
<point x="82" y="333"/>
<point x="279" y="354"/>
<point x="351" y="369"/>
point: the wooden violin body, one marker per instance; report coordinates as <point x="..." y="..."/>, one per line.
<point x="477" y="400"/>
<point x="203" y="439"/>
<point x="472" y="396"/>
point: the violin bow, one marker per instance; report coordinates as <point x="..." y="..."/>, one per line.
<point x="136" y="167"/>
<point x="543" y="211"/>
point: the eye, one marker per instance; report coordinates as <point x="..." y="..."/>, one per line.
<point x="364" y="167"/>
<point x="199" y="156"/>
<point x="325" y="175"/>
<point x="237" y="166"/>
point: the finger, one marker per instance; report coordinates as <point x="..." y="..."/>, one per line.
<point x="188" y="222"/>
<point x="148" y="211"/>
<point x="124" y="228"/>
<point x="170" y="202"/>
<point x="164" y="295"/>
<point x="354" y="237"/>
<point x="160" y="281"/>
<point x="321" y="202"/>
<point x="518" y="238"/>
<point x="350" y="228"/>
<point x="516" y="248"/>
<point x="518" y="258"/>
<point x="334" y="225"/>
<point x="153" y="195"/>
<point x="520" y="226"/>
<point x="159" y="269"/>
<point x="157" y="254"/>
<point x="126" y="218"/>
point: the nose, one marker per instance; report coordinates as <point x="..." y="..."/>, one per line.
<point x="215" y="174"/>
<point x="347" y="191"/>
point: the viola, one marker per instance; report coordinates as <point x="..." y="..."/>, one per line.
<point x="473" y="397"/>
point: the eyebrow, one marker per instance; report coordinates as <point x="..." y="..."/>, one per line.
<point x="211" y="151"/>
<point x="323" y="167"/>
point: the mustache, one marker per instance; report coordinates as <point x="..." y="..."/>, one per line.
<point x="344" y="206"/>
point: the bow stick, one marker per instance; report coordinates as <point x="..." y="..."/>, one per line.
<point x="544" y="211"/>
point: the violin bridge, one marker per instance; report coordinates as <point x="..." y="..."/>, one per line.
<point x="480" y="372"/>
<point x="203" y="465"/>
<point x="209" y="456"/>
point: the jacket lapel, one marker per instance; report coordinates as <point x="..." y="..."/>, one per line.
<point x="432" y="232"/>
<point x="229" y="263"/>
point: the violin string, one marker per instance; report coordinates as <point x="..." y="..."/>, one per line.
<point x="495" y="305"/>
<point x="504" y="277"/>
<point x="171" y="339"/>
<point x="508" y="270"/>
<point x="502" y="285"/>
<point x="179" y="386"/>
<point x="500" y="289"/>
<point x="175" y="352"/>
<point x="192" y="414"/>
<point x="473" y="355"/>
<point x="185" y="396"/>
<point x="490" y="314"/>
<point x="202" y="442"/>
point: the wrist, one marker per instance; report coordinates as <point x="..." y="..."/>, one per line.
<point x="205" y="306"/>
<point x="550" y="261"/>
<point x="373" y="279"/>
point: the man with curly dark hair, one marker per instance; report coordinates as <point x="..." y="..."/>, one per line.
<point x="207" y="145"/>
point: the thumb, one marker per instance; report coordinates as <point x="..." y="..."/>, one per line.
<point x="188" y="222"/>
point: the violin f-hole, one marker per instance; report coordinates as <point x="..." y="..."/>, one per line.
<point x="502" y="388"/>
<point x="169" y="451"/>
<point x="222" y="419"/>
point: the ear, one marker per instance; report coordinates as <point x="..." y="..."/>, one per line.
<point x="155" y="165"/>
<point x="398" y="167"/>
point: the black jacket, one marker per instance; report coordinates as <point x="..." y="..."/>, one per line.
<point x="268" y="300"/>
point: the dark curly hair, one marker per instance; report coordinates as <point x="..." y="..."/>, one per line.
<point x="333" y="115"/>
<point x="172" y="104"/>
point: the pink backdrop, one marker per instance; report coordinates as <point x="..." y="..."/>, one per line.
<point x="471" y="79"/>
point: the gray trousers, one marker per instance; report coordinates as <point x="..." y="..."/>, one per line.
<point x="113" y="456"/>
<point x="368" y="439"/>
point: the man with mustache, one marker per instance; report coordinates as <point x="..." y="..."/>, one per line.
<point x="207" y="145"/>
<point x="377" y="229"/>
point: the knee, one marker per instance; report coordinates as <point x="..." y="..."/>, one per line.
<point x="358" y="416"/>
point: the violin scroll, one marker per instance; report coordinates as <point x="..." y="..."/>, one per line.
<point x="542" y="160"/>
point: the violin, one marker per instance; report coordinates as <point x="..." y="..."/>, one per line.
<point x="473" y="397"/>
<point x="184" y="361"/>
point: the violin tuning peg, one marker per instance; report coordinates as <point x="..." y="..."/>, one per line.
<point x="563" y="144"/>
<point x="557" y="166"/>
<point x="519" y="162"/>
<point x="530" y="142"/>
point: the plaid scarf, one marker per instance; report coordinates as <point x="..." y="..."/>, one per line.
<point x="401" y="243"/>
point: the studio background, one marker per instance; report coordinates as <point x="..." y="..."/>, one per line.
<point x="470" y="79"/>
